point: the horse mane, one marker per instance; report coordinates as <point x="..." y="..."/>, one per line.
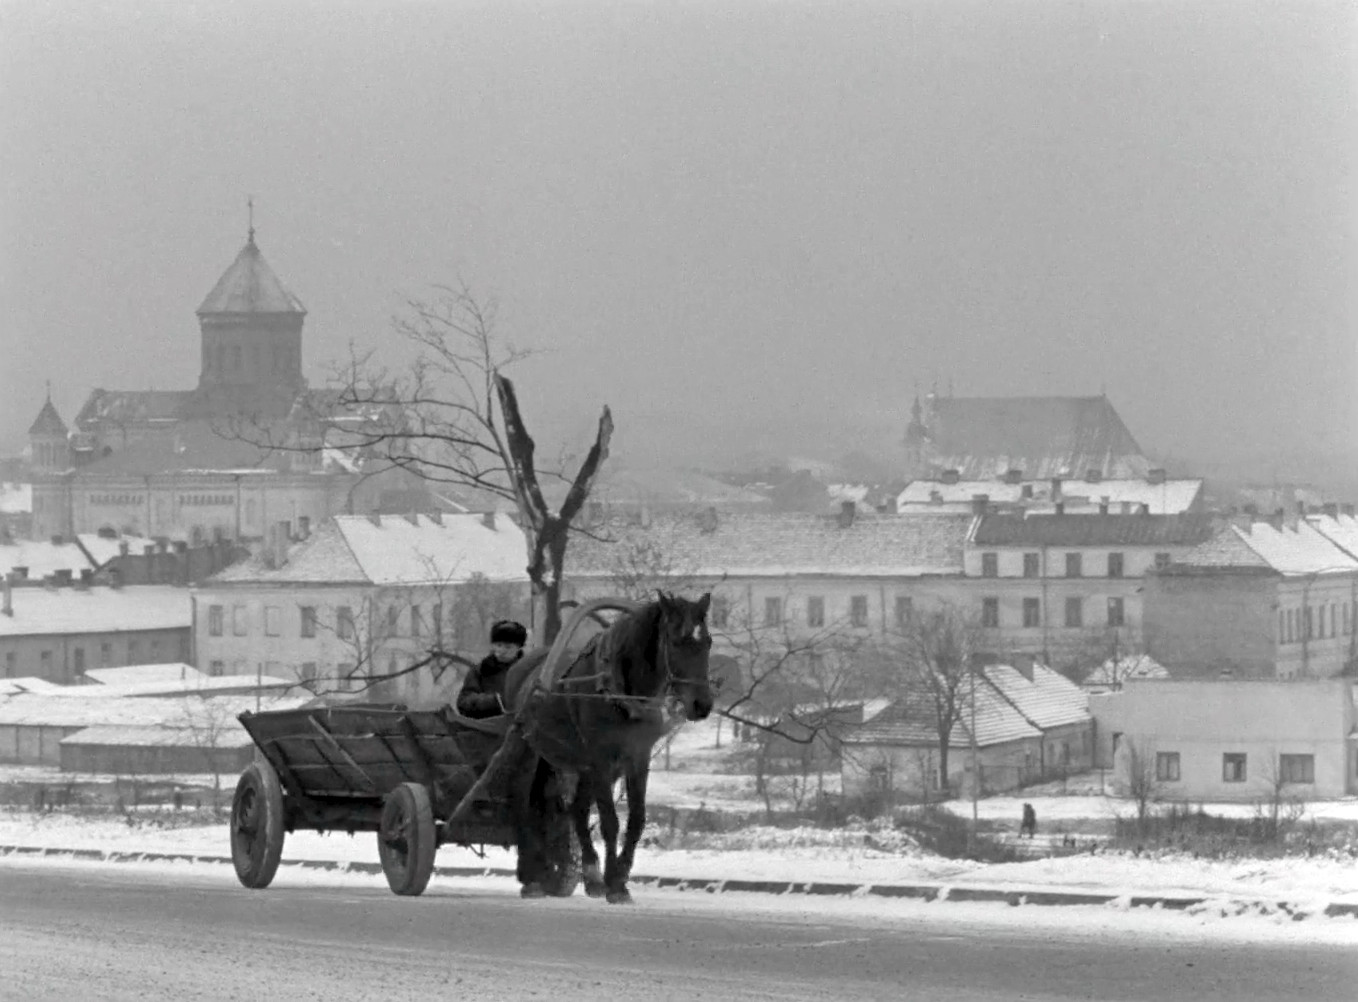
<point x="632" y="640"/>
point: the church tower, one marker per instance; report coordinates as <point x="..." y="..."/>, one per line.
<point x="49" y="440"/>
<point x="251" y="338"/>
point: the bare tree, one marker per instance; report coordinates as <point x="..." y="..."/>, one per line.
<point x="927" y="663"/>
<point x="452" y="418"/>
<point x="1279" y="809"/>
<point x="1140" y="776"/>
<point x="208" y="720"/>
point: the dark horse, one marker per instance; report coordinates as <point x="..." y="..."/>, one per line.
<point x="598" y="721"/>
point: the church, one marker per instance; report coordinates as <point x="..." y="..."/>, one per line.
<point x="250" y="447"/>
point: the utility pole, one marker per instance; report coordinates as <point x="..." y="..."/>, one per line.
<point x="975" y="765"/>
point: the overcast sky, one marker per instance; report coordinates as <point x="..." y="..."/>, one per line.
<point x="740" y="224"/>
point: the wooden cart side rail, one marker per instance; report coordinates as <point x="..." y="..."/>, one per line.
<point x="328" y="741"/>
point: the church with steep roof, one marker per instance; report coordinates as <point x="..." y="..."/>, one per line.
<point x="231" y="458"/>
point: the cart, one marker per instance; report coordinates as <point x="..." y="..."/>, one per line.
<point x="420" y="779"/>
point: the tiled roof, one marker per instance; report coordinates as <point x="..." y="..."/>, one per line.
<point x="1289" y="550"/>
<point x="982" y="437"/>
<point x="43" y="557"/>
<point x="351" y="548"/>
<point x="40" y="611"/>
<point x="1092" y="530"/>
<point x="1168" y="498"/>
<point x="1009" y="707"/>
<point x="132" y="406"/>
<point x="48" y="421"/>
<point x="250" y="286"/>
<point x="780" y="544"/>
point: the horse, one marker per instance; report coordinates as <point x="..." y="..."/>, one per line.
<point x="597" y="723"/>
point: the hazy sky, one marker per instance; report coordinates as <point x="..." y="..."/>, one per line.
<point x="737" y="223"/>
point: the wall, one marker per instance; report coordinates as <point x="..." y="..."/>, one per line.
<point x="1198" y="625"/>
<point x="32" y="745"/>
<point x="129" y="647"/>
<point x="141" y="760"/>
<point x="1203" y="720"/>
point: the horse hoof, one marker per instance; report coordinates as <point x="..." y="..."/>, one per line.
<point x="533" y="890"/>
<point x="595" y="888"/>
<point x="620" y="897"/>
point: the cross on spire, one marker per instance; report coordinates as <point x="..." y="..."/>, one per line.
<point x="250" y="210"/>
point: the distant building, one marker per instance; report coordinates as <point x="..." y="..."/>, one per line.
<point x="249" y="447"/>
<point x="1031" y="724"/>
<point x="1211" y="739"/>
<point x="58" y="633"/>
<point x="1087" y="494"/>
<point x="1068" y="588"/>
<point x="982" y="438"/>
<point x="1261" y="599"/>
<point x="364" y="597"/>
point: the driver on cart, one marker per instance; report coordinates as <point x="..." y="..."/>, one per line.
<point x="482" y="693"/>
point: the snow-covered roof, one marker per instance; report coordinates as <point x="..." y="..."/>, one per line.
<point x="166" y="680"/>
<point x="777" y="544"/>
<point x="1169" y="497"/>
<point x="65" y="611"/>
<point x="1299" y="549"/>
<point x="1008" y="707"/>
<point x="1342" y="530"/>
<point x="396" y="549"/>
<point x="230" y="735"/>
<point x="175" y="671"/>
<point x="34" y="710"/>
<point x="1114" y="672"/>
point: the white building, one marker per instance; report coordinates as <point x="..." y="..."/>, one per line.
<point x="1224" y="739"/>
<point x="365" y="597"/>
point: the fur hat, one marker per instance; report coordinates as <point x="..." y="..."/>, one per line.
<point x="506" y="631"/>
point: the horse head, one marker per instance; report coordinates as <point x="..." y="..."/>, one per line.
<point x="683" y="646"/>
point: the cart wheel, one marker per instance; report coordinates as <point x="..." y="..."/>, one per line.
<point x="406" y="840"/>
<point x="563" y="861"/>
<point x="257" y="825"/>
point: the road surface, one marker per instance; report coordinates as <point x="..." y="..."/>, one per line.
<point x="136" y="932"/>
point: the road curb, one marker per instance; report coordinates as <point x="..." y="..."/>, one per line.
<point x="922" y="892"/>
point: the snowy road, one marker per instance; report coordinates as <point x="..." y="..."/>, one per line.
<point x="147" y="932"/>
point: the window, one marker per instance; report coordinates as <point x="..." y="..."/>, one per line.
<point x="134" y="652"/>
<point x="815" y="611"/>
<point x="240" y="620"/>
<point x="1297" y="768"/>
<point x="1282" y="626"/>
<point x="858" y="610"/>
<point x="155" y="652"/>
<point x="272" y="620"/>
<point x="1115" y="565"/>
<point x="308" y="620"/>
<point x="344" y="622"/>
<point x="1117" y="612"/>
<point x="1167" y="766"/>
<point x="105" y="654"/>
<point x="347" y="675"/>
<point x="721" y="611"/>
<point x="45" y="662"/>
<point x="1032" y="612"/>
<point x="216" y="668"/>
<point x="1233" y="767"/>
<point x="393" y="620"/>
<point x="1074" y="565"/>
<point x="1309" y="623"/>
<point x="905" y="610"/>
<point x="773" y="611"/>
<point x="416" y="622"/>
<point x="1162" y="560"/>
<point x="1030" y="565"/>
<point x="436" y="620"/>
<point x="9" y="664"/>
<point x="879" y="778"/>
<point x="214" y="621"/>
<point x="308" y="671"/>
<point x="990" y="565"/>
<point x="990" y="612"/>
<point x="1075" y="612"/>
<point x="78" y="658"/>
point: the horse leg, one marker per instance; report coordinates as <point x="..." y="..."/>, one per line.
<point x="581" y="805"/>
<point x="616" y="892"/>
<point x="530" y="834"/>
<point x="637" y="776"/>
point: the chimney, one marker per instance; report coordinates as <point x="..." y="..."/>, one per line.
<point x="1155" y="476"/>
<point x="20" y="573"/>
<point x="162" y="544"/>
<point x="1252" y="511"/>
<point x="1276" y="520"/>
<point x="935" y="497"/>
<point x="115" y="577"/>
<point x="1346" y="509"/>
<point x="1026" y="492"/>
<point x="1013" y="476"/>
<point x="1023" y="664"/>
<point x="488" y="520"/>
<point x="122" y="547"/>
<point x="1060" y="507"/>
<point x="280" y="554"/>
<point x="86" y="577"/>
<point x="890" y="506"/>
<point x="980" y="504"/>
<point x="847" y="510"/>
<point x="1093" y="476"/>
<point x="180" y="546"/>
<point x="375" y="518"/>
<point x="434" y="516"/>
<point x="1056" y="488"/>
<point x="951" y="476"/>
<point x="304" y="525"/>
<point x="1301" y="508"/>
<point x="63" y="577"/>
<point x="1103" y="505"/>
<point x="9" y="595"/>
<point x="1143" y="509"/>
<point x="1331" y="509"/>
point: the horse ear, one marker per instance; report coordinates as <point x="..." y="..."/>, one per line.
<point x="664" y="600"/>
<point x="704" y="602"/>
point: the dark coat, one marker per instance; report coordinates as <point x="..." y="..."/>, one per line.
<point x="484" y="688"/>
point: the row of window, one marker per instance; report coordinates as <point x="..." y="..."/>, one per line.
<point x="414" y="621"/>
<point x="777" y="611"/>
<point x="1116" y="613"/>
<point x="154" y="650"/>
<point x="1235" y="768"/>
<point x="1032" y="568"/>
<point x="1316" y="622"/>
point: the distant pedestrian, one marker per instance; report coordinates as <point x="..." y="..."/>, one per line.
<point x="1029" y="825"/>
